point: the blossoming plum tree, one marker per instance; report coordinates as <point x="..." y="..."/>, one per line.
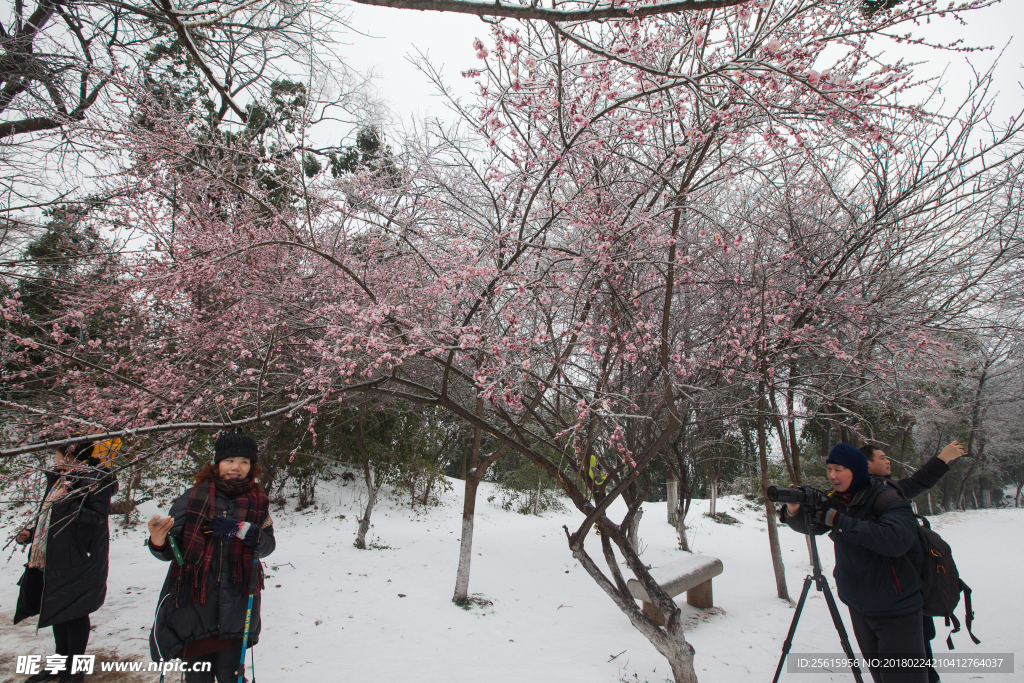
<point x="635" y="215"/>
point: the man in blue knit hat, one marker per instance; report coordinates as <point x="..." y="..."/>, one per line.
<point x="878" y="562"/>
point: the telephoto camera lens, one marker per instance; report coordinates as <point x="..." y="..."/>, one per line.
<point x="783" y="494"/>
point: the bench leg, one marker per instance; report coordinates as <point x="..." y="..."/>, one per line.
<point x="653" y="613"/>
<point x="700" y="595"/>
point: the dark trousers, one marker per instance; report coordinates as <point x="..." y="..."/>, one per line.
<point x="224" y="669"/>
<point x="881" y="637"/>
<point x="72" y="637"/>
<point x="929" y="633"/>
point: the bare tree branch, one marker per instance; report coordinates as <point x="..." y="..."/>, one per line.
<point x="535" y="11"/>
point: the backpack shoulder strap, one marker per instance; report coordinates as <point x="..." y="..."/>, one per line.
<point x="884" y="497"/>
<point x="968" y="611"/>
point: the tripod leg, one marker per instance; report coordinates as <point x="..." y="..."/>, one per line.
<point x="838" y="621"/>
<point x="792" y="627"/>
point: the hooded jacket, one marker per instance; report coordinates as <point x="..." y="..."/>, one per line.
<point x="73" y="582"/>
<point x="878" y="557"/>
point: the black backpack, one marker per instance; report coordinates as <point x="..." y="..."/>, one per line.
<point x="941" y="584"/>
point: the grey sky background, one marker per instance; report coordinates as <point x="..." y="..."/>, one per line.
<point x="393" y="35"/>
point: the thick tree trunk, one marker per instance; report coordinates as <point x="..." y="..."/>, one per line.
<point x="473" y="478"/>
<point x="672" y="498"/>
<point x="826" y="433"/>
<point x="427" y="488"/>
<point x="677" y="510"/>
<point x="713" y="494"/>
<point x="536" y="498"/>
<point x="633" y="532"/>
<point x="904" y="442"/>
<point x="680" y="477"/>
<point x="364" y="521"/>
<point x="773" y="532"/>
<point x="682" y="666"/>
<point x="684" y="542"/>
<point x="962" y="496"/>
<point x="466" y="542"/>
<point x="669" y="640"/>
<point x="371" y="489"/>
<point x="976" y="420"/>
<point x="794" y="442"/>
<point x="134" y="483"/>
<point x="683" y="507"/>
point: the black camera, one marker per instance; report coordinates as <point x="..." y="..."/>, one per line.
<point x="803" y="494"/>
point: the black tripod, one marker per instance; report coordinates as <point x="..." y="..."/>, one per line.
<point x="822" y="585"/>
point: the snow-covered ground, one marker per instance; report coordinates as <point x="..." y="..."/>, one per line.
<point x="335" y="613"/>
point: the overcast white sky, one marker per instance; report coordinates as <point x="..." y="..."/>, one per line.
<point x="393" y="37"/>
<point x="395" y="34"/>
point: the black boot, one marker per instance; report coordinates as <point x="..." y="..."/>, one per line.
<point x="45" y="675"/>
<point x="72" y="678"/>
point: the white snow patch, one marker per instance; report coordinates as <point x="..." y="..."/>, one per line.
<point x="338" y="615"/>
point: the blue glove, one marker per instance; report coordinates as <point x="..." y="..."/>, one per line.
<point x="249" y="533"/>
<point x="221" y="527"/>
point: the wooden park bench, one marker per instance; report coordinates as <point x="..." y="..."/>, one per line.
<point x="692" y="574"/>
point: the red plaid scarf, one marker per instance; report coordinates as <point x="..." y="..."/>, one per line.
<point x="251" y="505"/>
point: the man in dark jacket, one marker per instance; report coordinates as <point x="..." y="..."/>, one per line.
<point x="911" y="487"/>
<point x="65" y="579"/>
<point x="878" y="561"/>
<point x="920" y="481"/>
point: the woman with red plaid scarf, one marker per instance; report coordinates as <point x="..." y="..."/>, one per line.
<point x="218" y="525"/>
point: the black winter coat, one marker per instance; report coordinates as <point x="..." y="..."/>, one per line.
<point x="920" y="481"/>
<point x="878" y="558"/>
<point x="223" y="613"/>
<point x="73" y="582"/>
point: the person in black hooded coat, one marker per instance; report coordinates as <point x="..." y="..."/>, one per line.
<point x="221" y="525"/>
<point x="878" y="563"/>
<point x="65" y="579"/>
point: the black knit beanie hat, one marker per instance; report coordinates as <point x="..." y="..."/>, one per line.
<point x="235" y="445"/>
<point x="852" y="459"/>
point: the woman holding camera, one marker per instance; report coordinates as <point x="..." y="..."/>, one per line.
<point x="222" y="526"/>
<point x="878" y="562"/>
<point x="65" y="579"/>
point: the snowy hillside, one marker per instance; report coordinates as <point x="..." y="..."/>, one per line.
<point x="335" y="613"/>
